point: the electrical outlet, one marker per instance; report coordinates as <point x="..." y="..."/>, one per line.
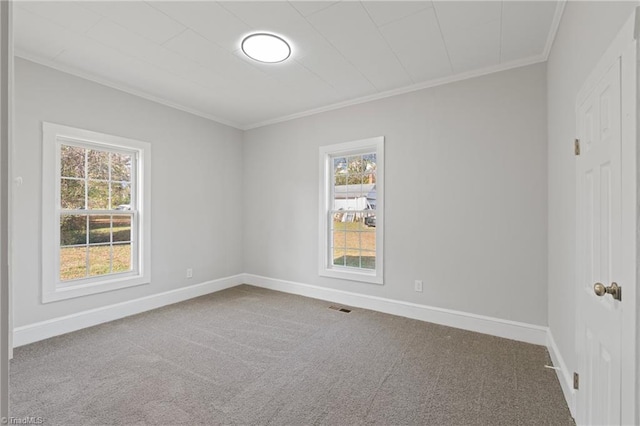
<point x="418" y="285"/>
<point x="189" y="273"/>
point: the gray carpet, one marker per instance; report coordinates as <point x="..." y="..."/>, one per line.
<point x="252" y="356"/>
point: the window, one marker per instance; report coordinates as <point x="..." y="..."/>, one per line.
<point x="95" y="218"/>
<point x="351" y="210"/>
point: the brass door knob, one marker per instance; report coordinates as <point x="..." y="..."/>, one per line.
<point x="614" y="289"/>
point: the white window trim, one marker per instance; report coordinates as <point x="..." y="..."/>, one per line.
<point x="52" y="288"/>
<point x="326" y="268"/>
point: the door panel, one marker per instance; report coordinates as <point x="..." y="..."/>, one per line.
<point x="598" y="228"/>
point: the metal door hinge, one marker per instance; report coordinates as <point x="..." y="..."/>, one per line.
<point x="576" y="146"/>
<point x="576" y="381"/>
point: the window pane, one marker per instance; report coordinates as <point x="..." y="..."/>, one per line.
<point x="368" y="260"/>
<point x="368" y="240"/>
<point x="99" y="229"/>
<point x="73" y="263"/>
<point x="121" y="257"/>
<point x="98" y="164"/>
<point x="370" y="164"/>
<point x="339" y="195"/>
<point x="73" y="230"/>
<point x="352" y="258"/>
<point x="353" y="241"/>
<point x="120" y="167"/>
<point x="338" y="224"/>
<point x="369" y="178"/>
<point x="71" y="194"/>
<point x="370" y="219"/>
<point x="357" y="179"/>
<point x="98" y="195"/>
<point x="355" y="168"/>
<point x="121" y="228"/>
<point x="99" y="260"/>
<point x="71" y="161"/>
<point x="339" y="239"/>
<point x="339" y="256"/>
<point x="121" y="195"/>
<point x="340" y="170"/>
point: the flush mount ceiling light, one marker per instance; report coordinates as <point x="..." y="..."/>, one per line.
<point x="263" y="47"/>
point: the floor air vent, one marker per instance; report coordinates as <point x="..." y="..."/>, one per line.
<point x="339" y="309"/>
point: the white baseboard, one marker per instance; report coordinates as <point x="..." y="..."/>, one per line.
<point x="523" y="332"/>
<point x="565" y="376"/>
<point x="66" y="324"/>
<point x="519" y="331"/>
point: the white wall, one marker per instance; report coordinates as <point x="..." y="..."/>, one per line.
<point x="586" y="30"/>
<point x="196" y="184"/>
<point x="466" y="195"/>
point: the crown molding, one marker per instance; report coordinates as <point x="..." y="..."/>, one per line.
<point x="123" y="88"/>
<point x="555" y="24"/>
<point x="376" y="96"/>
<point x="407" y="89"/>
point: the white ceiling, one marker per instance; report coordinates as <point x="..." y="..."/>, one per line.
<point x="187" y="54"/>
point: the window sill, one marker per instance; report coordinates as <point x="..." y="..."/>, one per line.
<point x="352" y="275"/>
<point x="85" y="289"/>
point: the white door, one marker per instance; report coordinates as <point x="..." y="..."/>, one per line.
<point x="599" y="250"/>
